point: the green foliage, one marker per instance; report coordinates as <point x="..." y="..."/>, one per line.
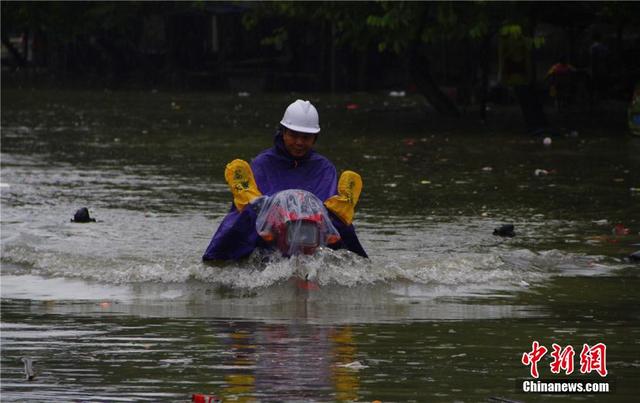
<point x="403" y="24"/>
<point x="277" y="39"/>
<point x="348" y="20"/>
<point x="389" y="26"/>
<point x="515" y="31"/>
<point x="479" y="30"/>
<point x="65" y="20"/>
<point x="511" y="30"/>
<point x="538" y="41"/>
<point x="397" y="25"/>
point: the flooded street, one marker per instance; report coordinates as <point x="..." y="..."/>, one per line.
<point x="124" y="310"/>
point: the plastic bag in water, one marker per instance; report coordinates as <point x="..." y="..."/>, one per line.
<point x="295" y="222"/>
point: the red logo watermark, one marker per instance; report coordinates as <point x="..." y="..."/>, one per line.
<point x="594" y="359"/>
<point x="591" y="359"/>
<point x="562" y="359"/>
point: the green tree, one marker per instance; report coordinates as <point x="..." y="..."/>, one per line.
<point x="403" y="28"/>
<point x="85" y="35"/>
<point x="410" y="30"/>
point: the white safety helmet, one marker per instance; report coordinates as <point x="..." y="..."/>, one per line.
<point x="301" y="116"/>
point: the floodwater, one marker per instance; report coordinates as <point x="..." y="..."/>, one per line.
<point x="124" y="310"/>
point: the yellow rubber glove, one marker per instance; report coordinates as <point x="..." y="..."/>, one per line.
<point x="343" y="204"/>
<point x="241" y="182"/>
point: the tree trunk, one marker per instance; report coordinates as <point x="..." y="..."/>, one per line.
<point x="333" y="58"/>
<point x="420" y="72"/>
<point x="20" y="60"/>
<point x="362" y="70"/>
<point x="484" y="85"/>
<point x="529" y="97"/>
<point x="419" y="68"/>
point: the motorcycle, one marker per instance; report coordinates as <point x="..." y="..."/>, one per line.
<point x="295" y="222"/>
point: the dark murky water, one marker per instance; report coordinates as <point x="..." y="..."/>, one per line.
<point x="123" y="309"/>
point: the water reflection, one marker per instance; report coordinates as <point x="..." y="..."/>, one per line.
<point x="296" y="362"/>
<point x="115" y="357"/>
<point x="121" y="358"/>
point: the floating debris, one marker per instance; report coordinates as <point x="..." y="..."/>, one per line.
<point x="202" y="398"/>
<point x="506" y="230"/>
<point x="82" y="216"/>
<point x="620" y="229"/>
<point x="30" y="374"/>
<point x="353" y="365"/>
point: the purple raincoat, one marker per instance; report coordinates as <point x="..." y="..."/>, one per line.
<point x="274" y="170"/>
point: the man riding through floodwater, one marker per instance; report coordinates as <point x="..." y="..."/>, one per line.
<point x="291" y="163"/>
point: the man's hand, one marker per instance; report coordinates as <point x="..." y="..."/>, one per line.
<point x="343" y="204"/>
<point x="241" y="182"/>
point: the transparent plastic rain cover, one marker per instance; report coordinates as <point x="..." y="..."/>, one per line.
<point x="295" y="222"/>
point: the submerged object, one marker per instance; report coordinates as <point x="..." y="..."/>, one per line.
<point x="634" y="257"/>
<point x="29" y="373"/>
<point x="82" y="216"/>
<point x="505" y="230"/>
<point x="620" y="229"/>
<point x="295" y="222"/>
<point x="202" y="398"/>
